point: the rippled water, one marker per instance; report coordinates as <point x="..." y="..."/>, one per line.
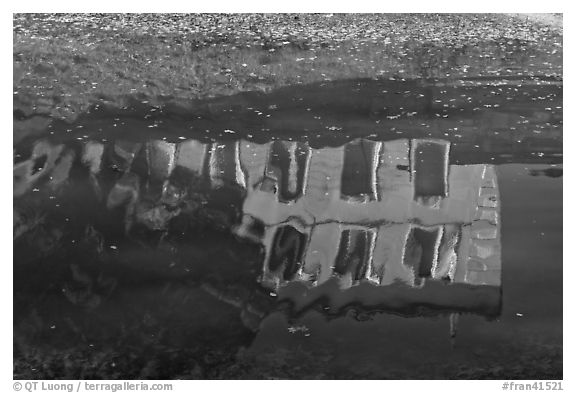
<point x="357" y="229"/>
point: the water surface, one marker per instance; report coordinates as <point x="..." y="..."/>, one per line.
<point x="355" y="229"/>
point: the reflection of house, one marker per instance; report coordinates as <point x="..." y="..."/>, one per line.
<point x="367" y="213"/>
<point x="148" y="180"/>
<point x="374" y="212"/>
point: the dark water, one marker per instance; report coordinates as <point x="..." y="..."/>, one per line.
<point x="357" y="229"/>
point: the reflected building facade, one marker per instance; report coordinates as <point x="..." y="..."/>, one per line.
<point x="372" y="215"/>
<point x="367" y="222"/>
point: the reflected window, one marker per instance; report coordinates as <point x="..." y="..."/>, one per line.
<point x="421" y="250"/>
<point x="430" y="170"/>
<point x="359" y="171"/>
<point x="287" y="251"/>
<point x="224" y="165"/>
<point x="287" y="170"/>
<point x="354" y="253"/>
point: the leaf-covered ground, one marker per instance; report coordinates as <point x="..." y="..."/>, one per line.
<point x="65" y="63"/>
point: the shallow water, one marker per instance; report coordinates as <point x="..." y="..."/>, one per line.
<point x="355" y="229"/>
